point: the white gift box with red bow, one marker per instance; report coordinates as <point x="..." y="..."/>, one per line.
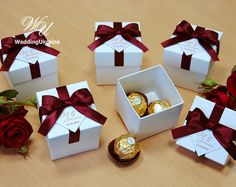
<point x="200" y="65"/>
<point x="204" y="143"/>
<point x="105" y="57"/>
<point x="20" y="76"/>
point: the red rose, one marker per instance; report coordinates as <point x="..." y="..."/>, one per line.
<point x="15" y="130"/>
<point x="231" y="84"/>
<point x="220" y="97"/>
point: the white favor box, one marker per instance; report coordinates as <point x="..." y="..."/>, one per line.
<point x="106" y="71"/>
<point x="200" y="67"/>
<point x="155" y="84"/>
<point x="19" y="75"/>
<point x="58" y="137"/>
<point x="228" y="118"/>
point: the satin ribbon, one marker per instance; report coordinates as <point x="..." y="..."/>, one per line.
<point x="11" y="48"/>
<point x="197" y="121"/>
<point x="129" y="32"/>
<point x="206" y="38"/>
<point x="53" y="107"/>
<point x="35" y="70"/>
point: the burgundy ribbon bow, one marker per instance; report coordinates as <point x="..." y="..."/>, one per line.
<point x="129" y="32"/>
<point x="206" y="38"/>
<point x="197" y="121"/>
<point x="11" y="48"/>
<point x="53" y="107"/>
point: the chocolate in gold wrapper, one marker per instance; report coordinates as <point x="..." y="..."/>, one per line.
<point x="139" y="102"/>
<point x="157" y="106"/>
<point x="124" y="149"/>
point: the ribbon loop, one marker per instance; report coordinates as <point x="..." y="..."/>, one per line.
<point x="197" y="121"/>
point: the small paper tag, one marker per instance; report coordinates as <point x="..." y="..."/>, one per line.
<point x="205" y="142"/>
<point x="191" y="46"/>
<point x="71" y="119"/>
<point x="118" y="43"/>
<point x="28" y="55"/>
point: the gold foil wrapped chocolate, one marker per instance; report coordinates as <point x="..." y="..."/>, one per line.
<point x="157" y="106"/>
<point x="124" y="149"/>
<point x="139" y="102"/>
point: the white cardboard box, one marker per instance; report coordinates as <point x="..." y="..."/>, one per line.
<point x="228" y="118"/>
<point x="58" y="137"/>
<point x="19" y="75"/>
<point x="106" y="71"/>
<point x="200" y="67"/>
<point x="155" y="84"/>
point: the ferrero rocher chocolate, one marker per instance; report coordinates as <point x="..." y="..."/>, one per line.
<point x="124" y="149"/>
<point x="157" y="106"/>
<point x="139" y="102"/>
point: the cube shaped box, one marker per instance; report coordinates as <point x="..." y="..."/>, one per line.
<point x="155" y="84"/>
<point x="200" y="64"/>
<point x="109" y="53"/>
<point x="58" y="136"/>
<point x="20" y="76"/>
<point x="215" y="151"/>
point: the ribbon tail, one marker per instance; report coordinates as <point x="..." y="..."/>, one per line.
<point x="209" y="50"/>
<point x="6" y="64"/>
<point x="173" y="41"/>
<point x="184" y="131"/>
<point x="100" y="41"/>
<point x="232" y="150"/>
<point x="92" y="114"/>
<point x="46" y="49"/>
<point x="74" y="136"/>
<point x="135" y="42"/>
<point x="49" y="122"/>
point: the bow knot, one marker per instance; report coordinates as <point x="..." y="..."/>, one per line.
<point x="53" y="107"/>
<point x="184" y="31"/>
<point x="196" y="121"/>
<point x="129" y="32"/>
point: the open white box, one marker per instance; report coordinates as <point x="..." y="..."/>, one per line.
<point x="228" y="118"/>
<point x="58" y="137"/>
<point x="155" y="84"/>
<point x="19" y="76"/>
<point x="200" y="67"/>
<point x="106" y="71"/>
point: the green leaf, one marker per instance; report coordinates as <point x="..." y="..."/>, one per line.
<point x="34" y="101"/>
<point x="209" y="83"/>
<point x="23" y="149"/>
<point x="9" y="94"/>
<point x="3" y="100"/>
<point x="234" y="69"/>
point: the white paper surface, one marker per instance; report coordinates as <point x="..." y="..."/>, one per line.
<point x="28" y="55"/>
<point x="205" y="142"/>
<point x="191" y="46"/>
<point x="118" y="43"/>
<point x="71" y="119"/>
